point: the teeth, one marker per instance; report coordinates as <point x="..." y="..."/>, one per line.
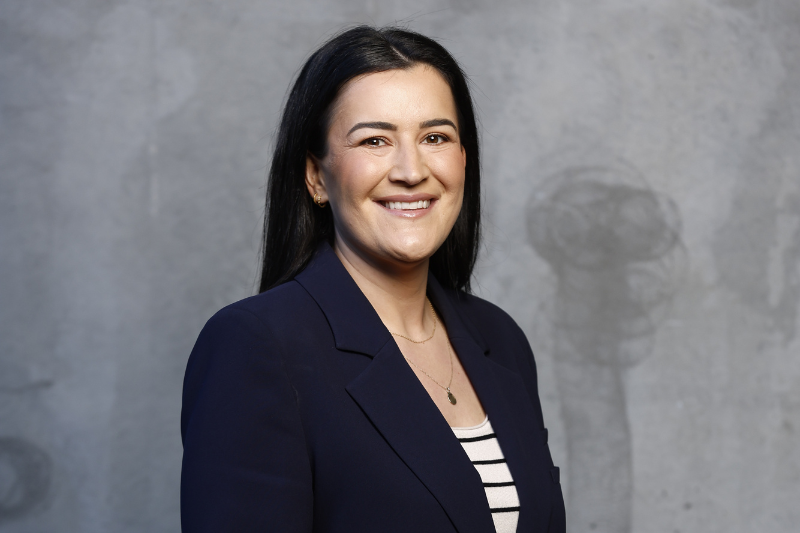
<point x="422" y="204"/>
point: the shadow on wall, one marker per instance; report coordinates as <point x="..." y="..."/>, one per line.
<point x="25" y="473"/>
<point x="614" y="245"/>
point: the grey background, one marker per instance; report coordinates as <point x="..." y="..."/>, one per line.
<point x="642" y="194"/>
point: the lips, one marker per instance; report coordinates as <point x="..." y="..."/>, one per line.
<point x="407" y="206"/>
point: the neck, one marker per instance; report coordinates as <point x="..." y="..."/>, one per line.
<point x="396" y="292"/>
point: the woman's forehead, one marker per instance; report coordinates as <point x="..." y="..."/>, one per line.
<point x="401" y="95"/>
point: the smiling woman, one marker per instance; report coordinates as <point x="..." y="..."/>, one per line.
<point x="393" y="169"/>
<point x="359" y="385"/>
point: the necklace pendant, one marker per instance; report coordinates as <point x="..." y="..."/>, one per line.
<point x="451" y="397"/>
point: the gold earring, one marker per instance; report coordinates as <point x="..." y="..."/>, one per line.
<point x="318" y="200"/>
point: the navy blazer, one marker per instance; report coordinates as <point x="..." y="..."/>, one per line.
<point x="300" y="414"/>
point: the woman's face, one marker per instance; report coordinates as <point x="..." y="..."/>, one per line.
<point x="393" y="172"/>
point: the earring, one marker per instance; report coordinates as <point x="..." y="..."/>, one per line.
<point x="318" y="200"/>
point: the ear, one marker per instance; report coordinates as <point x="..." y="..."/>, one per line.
<point x="464" y="156"/>
<point x="315" y="181"/>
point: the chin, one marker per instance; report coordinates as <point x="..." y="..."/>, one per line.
<point x="412" y="254"/>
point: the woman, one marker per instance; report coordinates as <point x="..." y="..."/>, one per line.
<point x="364" y="389"/>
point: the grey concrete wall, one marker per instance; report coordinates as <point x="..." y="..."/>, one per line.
<point x="642" y="186"/>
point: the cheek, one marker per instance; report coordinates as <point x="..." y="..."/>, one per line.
<point x="354" y="178"/>
<point x="450" y="171"/>
<point x="349" y="187"/>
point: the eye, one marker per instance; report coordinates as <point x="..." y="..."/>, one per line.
<point x="435" y="138"/>
<point x="374" y="141"/>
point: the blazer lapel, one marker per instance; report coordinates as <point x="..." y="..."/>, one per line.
<point x="503" y="395"/>
<point x="390" y="394"/>
<point x="399" y="406"/>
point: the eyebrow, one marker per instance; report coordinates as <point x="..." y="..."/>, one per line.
<point x="373" y="125"/>
<point x="392" y="127"/>
<point x="437" y="122"/>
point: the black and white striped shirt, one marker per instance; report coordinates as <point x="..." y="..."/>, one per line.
<point x="484" y="451"/>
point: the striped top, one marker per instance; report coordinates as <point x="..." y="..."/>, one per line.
<point x="484" y="451"/>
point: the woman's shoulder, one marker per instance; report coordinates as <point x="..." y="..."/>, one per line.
<point x="269" y="318"/>
<point x="273" y="308"/>
<point x="238" y="365"/>
<point x="253" y="331"/>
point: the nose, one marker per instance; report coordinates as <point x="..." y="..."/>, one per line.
<point x="409" y="166"/>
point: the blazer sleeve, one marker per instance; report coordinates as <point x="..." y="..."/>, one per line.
<point x="245" y="460"/>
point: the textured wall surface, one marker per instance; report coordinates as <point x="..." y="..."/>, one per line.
<point x="642" y="188"/>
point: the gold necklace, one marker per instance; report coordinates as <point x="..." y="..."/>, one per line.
<point x="450" y="396"/>
<point x="432" y="334"/>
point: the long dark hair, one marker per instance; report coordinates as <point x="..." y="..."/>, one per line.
<point x="293" y="225"/>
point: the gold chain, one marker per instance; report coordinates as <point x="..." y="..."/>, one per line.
<point x="451" y="369"/>
<point x="450" y="397"/>
<point x="432" y="334"/>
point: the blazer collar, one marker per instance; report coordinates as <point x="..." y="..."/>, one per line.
<point x="355" y="324"/>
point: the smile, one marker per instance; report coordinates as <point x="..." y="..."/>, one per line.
<point x="407" y="206"/>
